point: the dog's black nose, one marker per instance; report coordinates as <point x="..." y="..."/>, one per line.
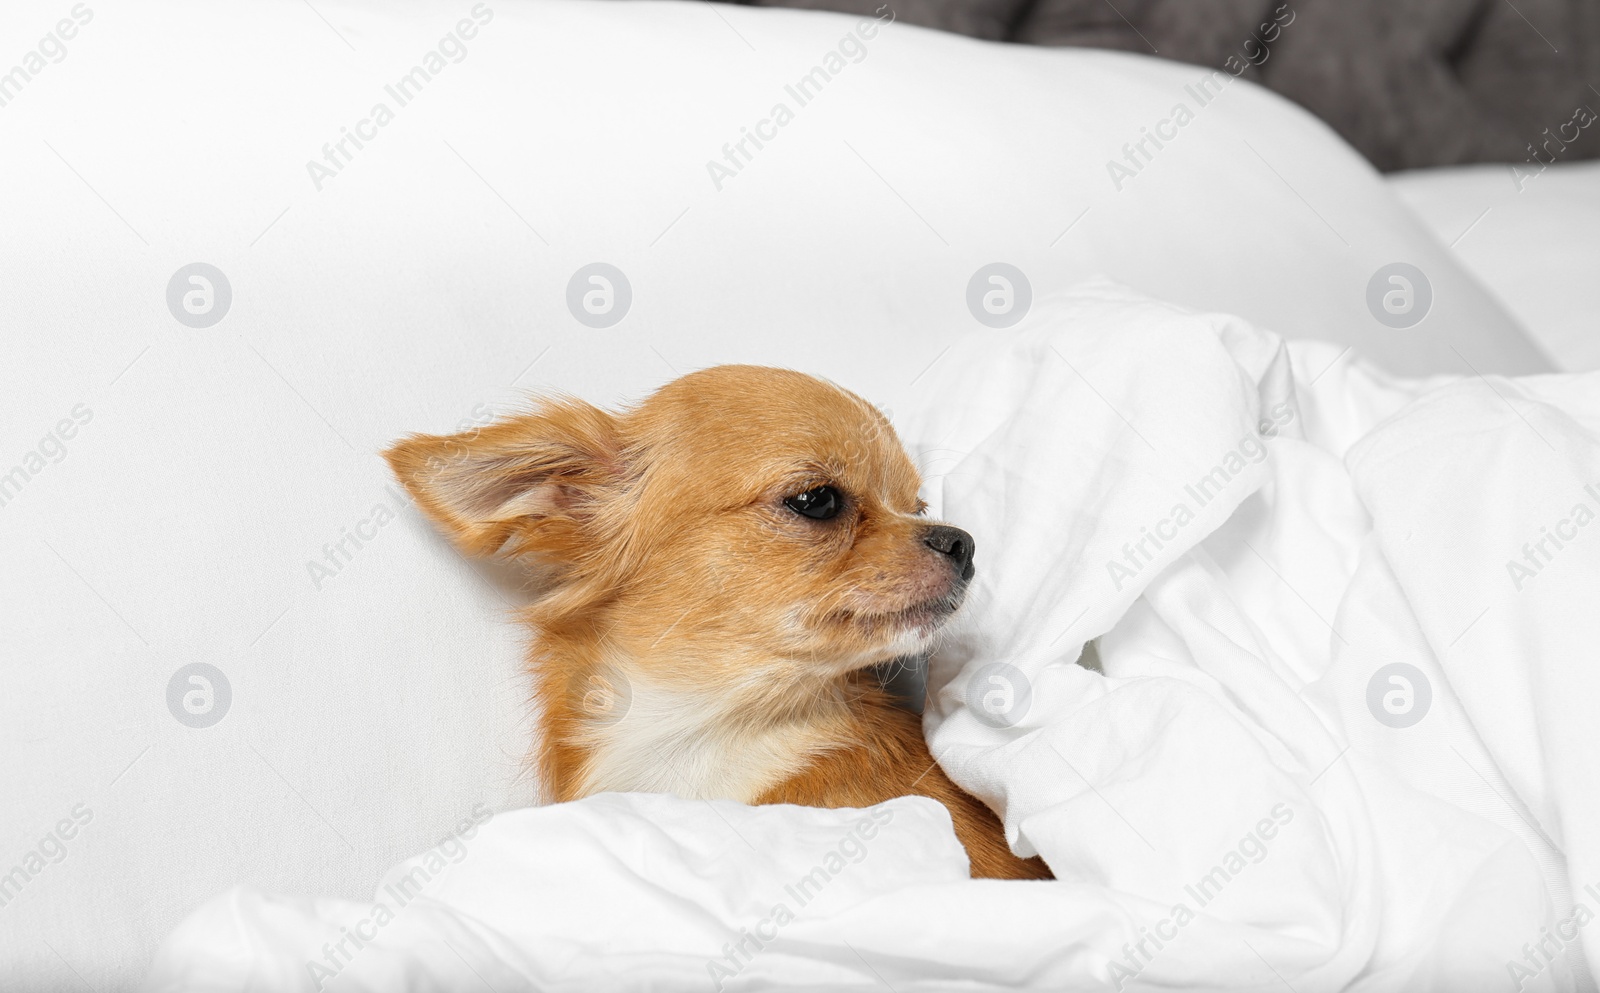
<point x="955" y="543"/>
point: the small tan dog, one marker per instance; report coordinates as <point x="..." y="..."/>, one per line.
<point x="717" y="568"/>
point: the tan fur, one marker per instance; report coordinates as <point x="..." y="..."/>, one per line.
<point x="695" y="635"/>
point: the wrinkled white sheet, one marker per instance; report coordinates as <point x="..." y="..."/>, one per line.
<point x="1227" y="807"/>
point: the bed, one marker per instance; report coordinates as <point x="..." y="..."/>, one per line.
<point x="1529" y="236"/>
<point x="249" y="690"/>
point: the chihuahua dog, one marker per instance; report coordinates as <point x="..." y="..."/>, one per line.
<point x="717" y="568"/>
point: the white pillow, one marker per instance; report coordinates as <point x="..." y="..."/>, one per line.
<point x="183" y="492"/>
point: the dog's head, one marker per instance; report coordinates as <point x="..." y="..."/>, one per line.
<point x="739" y="512"/>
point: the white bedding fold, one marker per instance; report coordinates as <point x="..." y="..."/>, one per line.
<point x="1242" y="800"/>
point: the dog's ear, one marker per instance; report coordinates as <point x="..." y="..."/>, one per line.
<point x="528" y="484"/>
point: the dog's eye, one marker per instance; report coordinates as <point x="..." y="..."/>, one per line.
<point x="819" y="504"/>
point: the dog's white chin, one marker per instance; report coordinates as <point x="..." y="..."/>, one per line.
<point x="915" y="638"/>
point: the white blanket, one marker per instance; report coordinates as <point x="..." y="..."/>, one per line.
<point x="1340" y="741"/>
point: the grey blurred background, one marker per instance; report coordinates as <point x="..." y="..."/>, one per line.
<point x="1410" y="83"/>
